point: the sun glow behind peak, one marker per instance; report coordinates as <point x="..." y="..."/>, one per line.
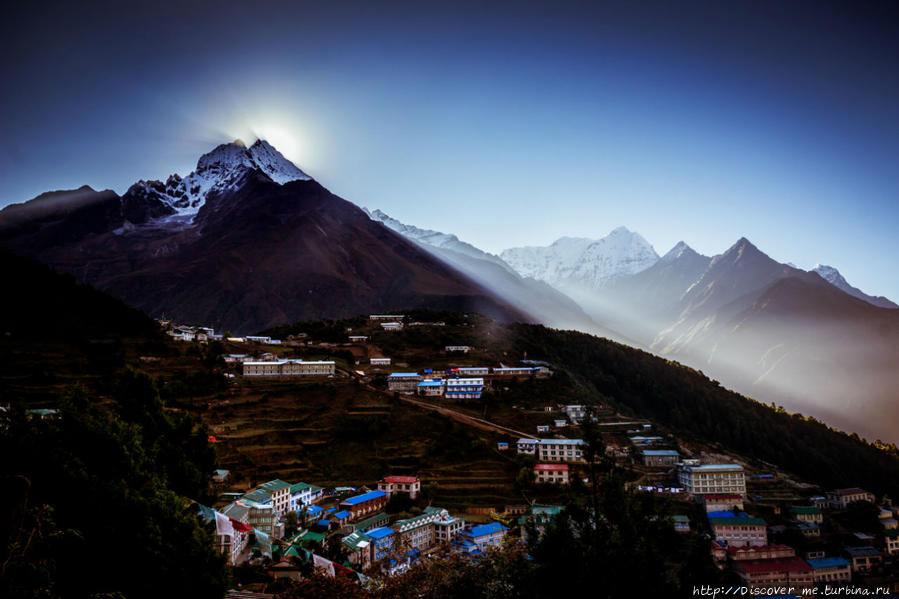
<point x="284" y="137"/>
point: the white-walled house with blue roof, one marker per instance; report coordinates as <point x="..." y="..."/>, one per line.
<point x="477" y="539"/>
<point x="382" y="540"/>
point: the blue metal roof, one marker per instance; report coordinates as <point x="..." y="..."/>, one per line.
<point x="487" y="529"/>
<point x="403" y="374"/>
<point x="867" y="551"/>
<point x="827" y="562"/>
<point x="325" y="523"/>
<point x="314" y="509"/>
<point x="364" y="497"/>
<point x="721" y="514"/>
<point x="342" y="514"/>
<point x="380" y="533"/>
<point x="430" y="384"/>
<point x="660" y="452"/>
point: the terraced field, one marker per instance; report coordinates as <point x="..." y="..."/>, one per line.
<point x="338" y="432"/>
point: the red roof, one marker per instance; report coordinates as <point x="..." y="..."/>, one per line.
<point x="850" y="491"/>
<point x="404" y="480"/>
<point x="782" y="564"/>
<point x="551" y="467"/>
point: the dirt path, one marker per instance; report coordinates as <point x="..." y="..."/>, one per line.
<point x="451" y="413"/>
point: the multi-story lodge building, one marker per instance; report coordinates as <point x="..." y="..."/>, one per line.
<point x="419" y="531"/>
<point x="447" y="527"/>
<point x="713" y="479"/>
<point x="403" y="382"/>
<point x="358" y="338"/>
<point x="810" y="514"/>
<point x="430" y="388"/>
<point x="717" y="502"/>
<point x="740" y="531"/>
<point x="382" y="541"/>
<point x="551" y="474"/>
<point x="831" y="569"/>
<point x="410" y="485"/>
<point x="553" y="450"/>
<point x="280" y="493"/>
<point x="479" y="538"/>
<point x="464" y="388"/>
<point x="458" y="348"/>
<point x="760" y="552"/>
<point x="303" y="494"/>
<point x="364" y="504"/>
<point x="839" y="499"/>
<point x="289" y="368"/>
<point x="780" y="572"/>
<point x="358" y="546"/>
<point x="660" y="457"/>
<point x="392" y="326"/>
<point x="516" y="371"/>
<point x="386" y="316"/>
<point x="863" y="559"/>
<point x="560" y="450"/>
<point x="472" y="370"/>
<point x="891" y="541"/>
<point x="379" y="361"/>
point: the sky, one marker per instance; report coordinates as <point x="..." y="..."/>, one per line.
<point x="507" y="124"/>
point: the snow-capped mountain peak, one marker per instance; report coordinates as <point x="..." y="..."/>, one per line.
<point x="217" y="171"/>
<point x="436" y="239"/>
<point x="274" y="164"/>
<point x="830" y="274"/>
<point x="585" y="262"/>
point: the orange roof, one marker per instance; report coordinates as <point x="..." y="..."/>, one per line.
<point x="406" y="480"/>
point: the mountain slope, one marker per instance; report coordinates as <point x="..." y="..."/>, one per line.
<point x="833" y="276"/>
<point x="239" y="251"/>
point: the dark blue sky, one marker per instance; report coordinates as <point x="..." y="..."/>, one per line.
<point x="507" y="124"/>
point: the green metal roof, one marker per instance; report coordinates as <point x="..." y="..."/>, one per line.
<point x="274" y="486"/>
<point x="801" y="509"/>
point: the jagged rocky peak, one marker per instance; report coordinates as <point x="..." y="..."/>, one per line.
<point x="217" y="171"/>
<point x="680" y="250"/>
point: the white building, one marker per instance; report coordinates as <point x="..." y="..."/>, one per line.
<point x="464" y="388"/>
<point x="392" y="326"/>
<point x="473" y="370"/>
<point x="458" y="348"/>
<point x="716" y="479"/>
<point x="289" y="368"/>
<point x="379" y="361"/>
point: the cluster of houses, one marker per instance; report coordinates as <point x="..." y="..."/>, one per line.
<point x="252" y="527"/>
<point x="201" y="334"/>
<point x="466" y="382"/>
<point x="741" y="540"/>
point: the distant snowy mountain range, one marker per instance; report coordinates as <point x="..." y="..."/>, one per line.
<point x="588" y="262"/>
<point x="833" y="276"/>
<point x="804" y="339"/>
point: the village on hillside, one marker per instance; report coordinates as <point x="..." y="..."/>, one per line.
<point x="764" y="527"/>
